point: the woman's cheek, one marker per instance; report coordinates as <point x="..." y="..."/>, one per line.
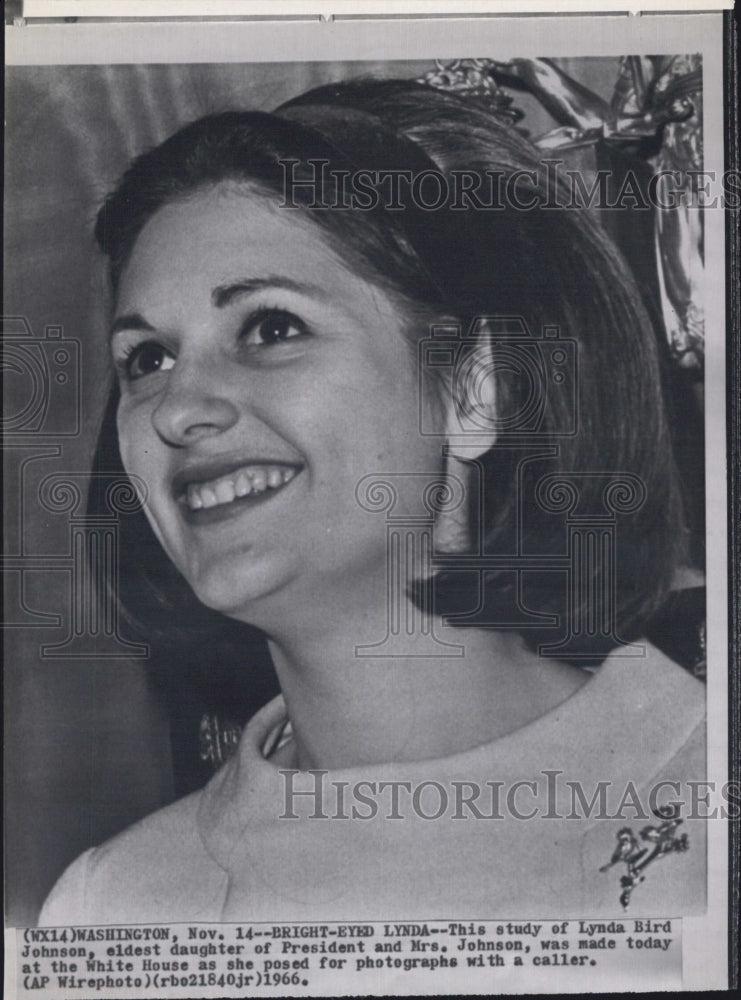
<point x="136" y="444"/>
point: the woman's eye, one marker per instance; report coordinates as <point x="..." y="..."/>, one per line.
<point x="272" y="327"/>
<point x="147" y="359"/>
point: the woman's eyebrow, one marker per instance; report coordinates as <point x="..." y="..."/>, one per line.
<point x="131" y="321"/>
<point x="222" y="295"/>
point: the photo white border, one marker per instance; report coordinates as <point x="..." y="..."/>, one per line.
<point x="704" y="967"/>
<point x="350" y="8"/>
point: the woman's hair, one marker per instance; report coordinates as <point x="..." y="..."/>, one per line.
<point x="600" y="411"/>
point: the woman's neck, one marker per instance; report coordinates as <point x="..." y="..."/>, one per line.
<point x="348" y="708"/>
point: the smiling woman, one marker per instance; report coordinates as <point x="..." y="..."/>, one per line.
<point x="291" y="363"/>
<point x="233" y="386"/>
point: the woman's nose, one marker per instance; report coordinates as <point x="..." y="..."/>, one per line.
<point x="193" y="408"/>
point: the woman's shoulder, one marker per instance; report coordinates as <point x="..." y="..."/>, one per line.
<point x="641" y="802"/>
<point x="652" y="693"/>
<point x="154" y="869"/>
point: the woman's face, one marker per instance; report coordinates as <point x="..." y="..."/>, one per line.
<point x="260" y="382"/>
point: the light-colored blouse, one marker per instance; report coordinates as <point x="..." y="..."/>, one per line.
<point x="233" y="851"/>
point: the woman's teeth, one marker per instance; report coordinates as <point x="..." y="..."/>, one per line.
<point x="249" y="481"/>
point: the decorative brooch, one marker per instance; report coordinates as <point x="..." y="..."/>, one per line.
<point x="661" y="841"/>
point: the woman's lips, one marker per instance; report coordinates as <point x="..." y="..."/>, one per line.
<point x="215" y="491"/>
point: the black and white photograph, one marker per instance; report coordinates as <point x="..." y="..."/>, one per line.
<point x="365" y="556"/>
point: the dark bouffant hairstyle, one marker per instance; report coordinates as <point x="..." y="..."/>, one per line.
<point x="553" y="268"/>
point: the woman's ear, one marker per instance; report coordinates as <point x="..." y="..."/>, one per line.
<point x="470" y="431"/>
<point x="471" y="403"/>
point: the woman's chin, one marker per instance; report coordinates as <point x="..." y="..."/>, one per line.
<point x="237" y="593"/>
